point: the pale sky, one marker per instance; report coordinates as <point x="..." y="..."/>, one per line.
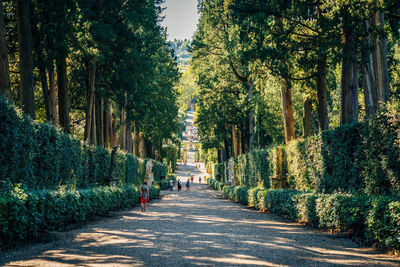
<point x="181" y="18"/>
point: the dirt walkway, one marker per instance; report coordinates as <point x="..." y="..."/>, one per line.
<point x="192" y="228"/>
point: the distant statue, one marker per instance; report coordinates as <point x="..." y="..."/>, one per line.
<point x="149" y="172"/>
<point x="231" y="171"/>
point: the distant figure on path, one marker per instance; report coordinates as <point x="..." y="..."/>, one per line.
<point x="188" y="185"/>
<point x="191" y="178"/>
<point x="171" y="185"/>
<point x="179" y="185"/>
<point x="199" y="179"/>
<point x="144" y="195"/>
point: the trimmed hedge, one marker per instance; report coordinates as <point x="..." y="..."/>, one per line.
<point x="27" y="215"/>
<point x="39" y="156"/>
<point x="362" y="157"/>
<point x="375" y="220"/>
<point x="215" y="184"/>
<point x="253" y="169"/>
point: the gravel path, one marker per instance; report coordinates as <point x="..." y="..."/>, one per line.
<point x="192" y="228"/>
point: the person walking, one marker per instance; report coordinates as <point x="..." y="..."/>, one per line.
<point x="179" y="185"/>
<point x="171" y="185"/>
<point x="144" y="195"/>
<point x="188" y="185"/>
<point x="199" y="179"/>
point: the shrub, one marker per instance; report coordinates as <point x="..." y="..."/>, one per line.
<point x="253" y="196"/>
<point x="341" y="211"/>
<point x="39" y="156"/>
<point x="381" y="167"/>
<point x="281" y="202"/>
<point x="383" y="222"/>
<point x="253" y="168"/>
<point x="306" y="208"/>
<point x="26" y="215"/>
<point x="236" y="193"/>
<point x="164" y="184"/>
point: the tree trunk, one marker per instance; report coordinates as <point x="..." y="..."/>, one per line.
<point x="63" y="104"/>
<point x="136" y="139"/>
<point x="90" y="102"/>
<point x="235" y="140"/>
<point x="307" y="117"/>
<point x="101" y="129"/>
<point x="97" y="118"/>
<point x="323" y="120"/>
<point x="45" y="87"/>
<point x="349" y="100"/>
<point x="287" y="107"/>
<point x="5" y="87"/>
<point x="250" y="86"/>
<point x="107" y="124"/>
<point x="52" y="96"/>
<point x="114" y="128"/>
<point x="123" y="130"/>
<point x="25" y="56"/>
<point x="368" y="75"/>
<point x="129" y="137"/>
<point x="226" y="146"/>
<point x="93" y="131"/>
<point x="142" y="147"/>
<point x="380" y="60"/>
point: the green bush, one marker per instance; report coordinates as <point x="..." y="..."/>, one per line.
<point x="281" y="202"/>
<point x="236" y="193"/>
<point x="383" y="222"/>
<point x="253" y="168"/>
<point x="253" y="196"/>
<point x="381" y="167"/>
<point x="26" y="215"/>
<point x="341" y="211"/>
<point x="214" y="184"/>
<point x="306" y="208"/>
<point x="164" y="184"/>
<point x="39" y="156"/>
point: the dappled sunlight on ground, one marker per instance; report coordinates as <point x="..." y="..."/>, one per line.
<point x="196" y="228"/>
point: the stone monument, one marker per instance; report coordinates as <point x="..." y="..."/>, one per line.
<point x="231" y="171"/>
<point x="149" y="172"/>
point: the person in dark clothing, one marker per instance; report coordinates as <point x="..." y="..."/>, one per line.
<point x="188" y="185"/>
<point x="179" y="185"/>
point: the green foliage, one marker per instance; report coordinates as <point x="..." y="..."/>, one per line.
<point x="159" y="170"/>
<point x="170" y="155"/>
<point x="381" y="167"/>
<point x="341" y="211"/>
<point x="39" y="156"/>
<point x="281" y="202"/>
<point x="164" y="184"/>
<point x="253" y="196"/>
<point x="357" y="157"/>
<point x="253" y="168"/>
<point x="215" y="184"/>
<point x="306" y="208"/>
<point x="26" y="215"/>
<point x="383" y="222"/>
<point x="181" y="49"/>
<point x="237" y="193"/>
<point x="371" y="219"/>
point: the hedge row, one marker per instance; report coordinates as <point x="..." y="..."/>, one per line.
<point x="356" y="157"/>
<point x="250" y="169"/>
<point x="371" y="219"/>
<point x="39" y="156"/>
<point x="28" y="215"/>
